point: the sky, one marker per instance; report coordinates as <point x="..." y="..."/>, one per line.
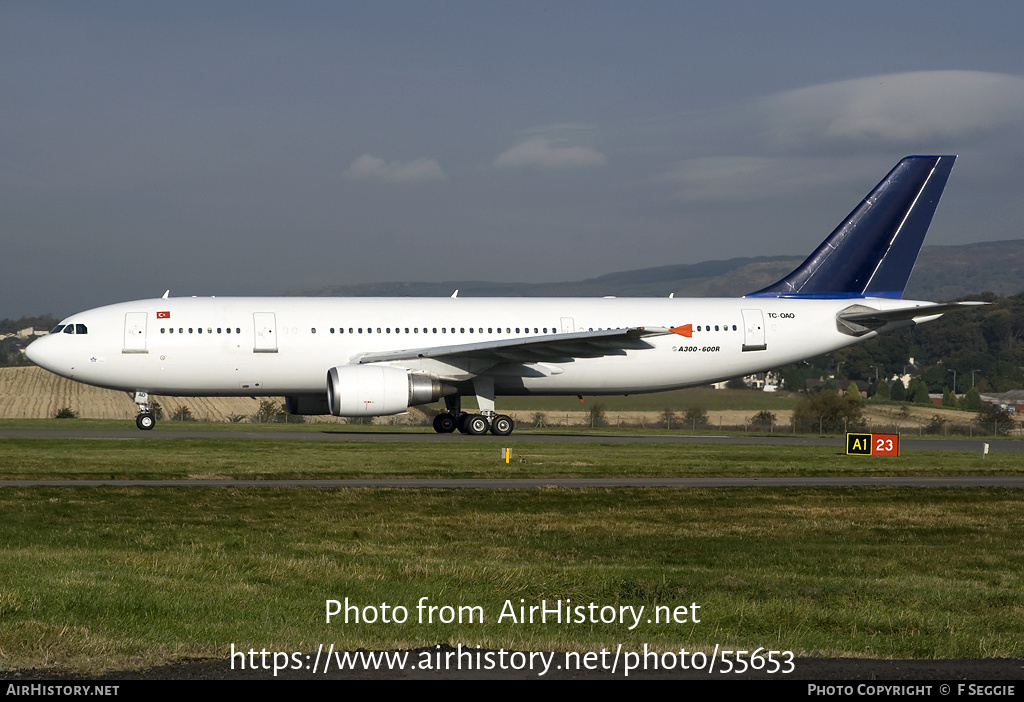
<point x="256" y="148"/>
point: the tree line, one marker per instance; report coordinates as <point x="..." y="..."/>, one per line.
<point x="981" y="348"/>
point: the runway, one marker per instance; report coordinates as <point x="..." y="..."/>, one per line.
<point x="907" y="443"/>
<point x="340" y="435"/>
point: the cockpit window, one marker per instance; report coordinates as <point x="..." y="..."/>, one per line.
<point x="57" y="329"/>
<point x="69" y="329"/>
<point x="80" y="329"/>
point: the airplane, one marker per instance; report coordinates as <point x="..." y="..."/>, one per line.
<point x="359" y="357"/>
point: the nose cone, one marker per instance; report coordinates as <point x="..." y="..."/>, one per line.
<point x="41" y="353"/>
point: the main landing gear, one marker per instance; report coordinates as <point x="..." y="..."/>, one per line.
<point x="146" y="419"/>
<point x="472" y="424"/>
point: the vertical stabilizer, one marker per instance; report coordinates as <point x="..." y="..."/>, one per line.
<point x="873" y="252"/>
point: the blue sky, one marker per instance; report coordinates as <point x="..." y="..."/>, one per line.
<point x="251" y="148"/>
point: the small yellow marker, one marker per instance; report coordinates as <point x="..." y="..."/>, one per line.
<point x="506" y="453"/>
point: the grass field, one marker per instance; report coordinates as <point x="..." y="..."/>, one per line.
<point x="94" y="578"/>
<point x="270" y="458"/>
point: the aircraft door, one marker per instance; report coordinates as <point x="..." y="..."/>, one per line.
<point x="753" y="330"/>
<point x="567" y="325"/>
<point x="135" y="332"/>
<point x="265" y="326"/>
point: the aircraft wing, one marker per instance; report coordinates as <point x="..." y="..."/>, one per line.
<point x="532" y="349"/>
<point x="874" y="319"/>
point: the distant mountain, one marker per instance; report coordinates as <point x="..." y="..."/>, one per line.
<point x="949" y="272"/>
<point x="942" y="273"/>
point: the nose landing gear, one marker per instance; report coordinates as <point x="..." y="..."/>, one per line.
<point x="145" y="420"/>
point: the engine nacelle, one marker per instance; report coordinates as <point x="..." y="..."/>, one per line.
<point x="307" y="404"/>
<point x="371" y="391"/>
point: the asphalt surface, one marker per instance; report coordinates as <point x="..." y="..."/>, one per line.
<point x="907" y="443"/>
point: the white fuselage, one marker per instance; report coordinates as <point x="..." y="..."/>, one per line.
<point x="285" y="346"/>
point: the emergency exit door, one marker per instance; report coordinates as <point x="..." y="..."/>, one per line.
<point x="135" y="332"/>
<point x="265" y="329"/>
<point x="753" y="331"/>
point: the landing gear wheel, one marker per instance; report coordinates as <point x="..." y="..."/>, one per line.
<point x="460" y="422"/>
<point x="444" y="423"/>
<point x="502" y="425"/>
<point x="145" y="421"/>
<point x="476" y="424"/>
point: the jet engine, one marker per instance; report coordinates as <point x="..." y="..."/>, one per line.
<point x="370" y="391"/>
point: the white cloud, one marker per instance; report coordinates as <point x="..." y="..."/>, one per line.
<point x="822" y="136"/>
<point x="371" y="168"/>
<point x="539" y="152"/>
<point x="893" y="110"/>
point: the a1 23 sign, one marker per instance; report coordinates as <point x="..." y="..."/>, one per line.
<point x="873" y="444"/>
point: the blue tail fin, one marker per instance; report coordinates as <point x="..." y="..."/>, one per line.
<point x="873" y="252"/>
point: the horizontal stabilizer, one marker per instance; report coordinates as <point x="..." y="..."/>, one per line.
<point x="859" y="319"/>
